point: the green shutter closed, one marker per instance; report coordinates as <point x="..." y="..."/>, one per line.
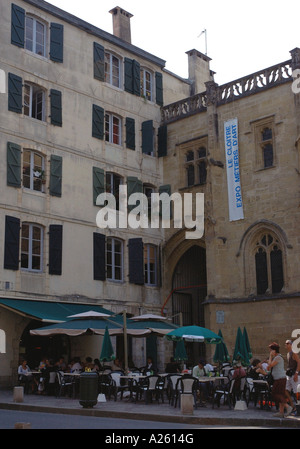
<point x="99" y="256"/>
<point x="17" y="25"/>
<point x="12" y="243"/>
<point x="55" y="175"/>
<point x="134" y="185"/>
<point x="136" y="78"/>
<point x="136" y="261"/>
<point x="159" y="89"/>
<point x="98" y="183"/>
<point x="128" y="83"/>
<point x="13" y="165"/>
<point x="165" y="189"/>
<point x="98" y="122"/>
<point x="56" y="107"/>
<point x="162" y="141"/>
<point x="147" y="137"/>
<point x="55" y="249"/>
<point x="130" y="133"/>
<point x="15" y="99"/>
<point x="56" y="42"/>
<point x="99" y="67"/>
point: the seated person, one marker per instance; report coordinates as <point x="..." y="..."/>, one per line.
<point x="256" y="370"/>
<point x="89" y="365"/>
<point x="199" y="371"/>
<point x="75" y="365"/>
<point x="116" y="365"/>
<point x="150" y="367"/>
<point x="238" y="374"/>
<point x="61" y="364"/>
<point x="25" y="376"/>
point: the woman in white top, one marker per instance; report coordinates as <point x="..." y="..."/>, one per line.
<point x="25" y="375"/>
<point x="276" y="364"/>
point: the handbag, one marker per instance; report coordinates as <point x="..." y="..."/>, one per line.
<point x="290" y="372"/>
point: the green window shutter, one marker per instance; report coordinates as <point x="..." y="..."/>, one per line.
<point x="130" y="133"/>
<point x="99" y="256"/>
<point x="134" y="185"/>
<point x="98" y="122"/>
<point x="99" y="67"/>
<point x="147" y="137"/>
<point x="162" y="141"/>
<point x="55" y="249"/>
<point x="56" y="107"/>
<point x="13" y="165"/>
<point x="136" y="261"/>
<point x="159" y="89"/>
<point x="136" y="78"/>
<point x="12" y="243"/>
<point x="128" y="83"/>
<point x="56" y="42"/>
<point x="165" y="189"/>
<point x="15" y="95"/>
<point x="55" y="175"/>
<point x="17" y="25"/>
<point x="98" y="182"/>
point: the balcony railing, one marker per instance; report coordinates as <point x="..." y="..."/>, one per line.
<point x="226" y="93"/>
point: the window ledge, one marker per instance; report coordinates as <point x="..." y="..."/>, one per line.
<point x="265" y="168"/>
<point x="35" y="55"/>
<point x="34" y="192"/>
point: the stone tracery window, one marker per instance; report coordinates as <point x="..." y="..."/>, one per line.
<point x="268" y="264"/>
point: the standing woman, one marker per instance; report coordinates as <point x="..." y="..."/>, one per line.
<point x="276" y="364"/>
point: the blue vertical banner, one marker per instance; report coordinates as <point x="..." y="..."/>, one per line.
<point x="235" y="201"/>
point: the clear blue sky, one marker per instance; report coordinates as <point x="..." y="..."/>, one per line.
<point x="242" y="37"/>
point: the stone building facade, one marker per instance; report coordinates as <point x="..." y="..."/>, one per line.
<point x="84" y="111"/>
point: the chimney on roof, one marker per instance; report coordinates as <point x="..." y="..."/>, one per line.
<point x="199" y="71"/>
<point x="121" y="23"/>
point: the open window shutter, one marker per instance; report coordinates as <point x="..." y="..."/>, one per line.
<point x="98" y="182"/>
<point x="15" y="99"/>
<point x="165" y="189"/>
<point x="128" y="83"/>
<point x="12" y="243"/>
<point x="17" y="25"/>
<point x="55" y="175"/>
<point x="55" y="249"/>
<point x="162" y="141"/>
<point x="159" y="89"/>
<point x="136" y="78"/>
<point x="13" y="165"/>
<point x="98" y="122"/>
<point x="136" y="261"/>
<point x="134" y="185"/>
<point x="56" y="107"/>
<point x="130" y="133"/>
<point x="99" y="257"/>
<point x="99" y="67"/>
<point x="56" y="42"/>
<point x="147" y="137"/>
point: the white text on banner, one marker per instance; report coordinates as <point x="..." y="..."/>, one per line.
<point x="235" y="200"/>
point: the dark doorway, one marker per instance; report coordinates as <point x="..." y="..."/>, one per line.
<point x="189" y="279"/>
<point x="34" y="348"/>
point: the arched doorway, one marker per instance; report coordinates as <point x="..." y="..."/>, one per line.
<point x="190" y="285"/>
<point x="33" y="347"/>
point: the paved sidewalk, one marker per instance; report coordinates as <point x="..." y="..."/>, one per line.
<point x="125" y="409"/>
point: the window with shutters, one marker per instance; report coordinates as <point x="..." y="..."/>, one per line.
<point x="31" y="247"/>
<point x="150" y="264"/>
<point x="268" y="264"/>
<point x="34" y="101"/>
<point x="113" y="129"/>
<point x="112" y="184"/>
<point x="112" y="69"/>
<point x="33" y="171"/>
<point x="35" y="35"/>
<point x="114" y="259"/>
<point x="146" y="84"/>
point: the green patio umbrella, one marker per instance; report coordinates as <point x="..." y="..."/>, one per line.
<point x="107" y="352"/>
<point x="240" y="351"/>
<point x="180" y="352"/>
<point x="221" y="353"/>
<point x="193" y="333"/>
<point x="246" y="339"/>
